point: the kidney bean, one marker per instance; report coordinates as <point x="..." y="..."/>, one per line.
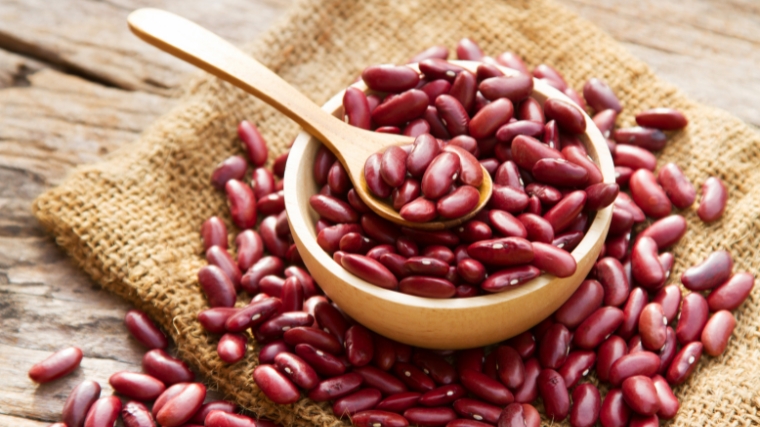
<point x="684" y="363"/>
<point x="324" y="363"/>
<point x="677" y="186"/>
<point x="526" y="151"/>
<point x="506" y="224"/>
<point x="407" y="247"/>
<point x="485" y="387"/>
<point x="489" y="164"/>
<point x="333" y="209"/>
<point x="515" y="88"/>
<point x="561" y="215"/>
<point x="430" y="417"/>
<point x="511" y="369"/>
<point x="250" y="249"/>
<point x="616" y="246"/>
<point x="435" y="68"/>
<point x="399" y="402"/>
<point x="472" y="271"/>
<point x="653" y="326"/>
<point x="648" y="195"/>
<point x="57" y="365"/>
<point x="356" y="243"/>
<point x="554" y="393"/>
<point x="271" y="285"/>
<point x="381" y="380"/>
<point x="576" y="155"/>
<point x="440" y="252"/>
<point x="559" y="172"/>
<point x="509" y="131"/>
<point x="547" y="72"/>
<point x="263" y="184"/>
<point x="275" y="385"/>
<point x="614" y="411"/>
<point x="464" y="89"/>
<point x="437" y="128"/>
<point x="329" y="238"/>
<point x="232" y="347"/>
<point x="490" y="118"/>
<point x="666" y="231"/>
<point x="435" y="366"/>
<point x="219" y="289"/>
<point x="531" y="110"/>
<point x="440" y="175"/>
<point x="390" y="78"/>
<point x="622" y="174"/>
<point x="79" y="402"/>
<point x="233" y="167"/>
<point x="584" y="301"/>
<point x="297" y="370"/>
<point x="511" y="60"/>
<point x="214" y="233"/>
<point x="488" y="70"/>
<point x="528" y="391"/>
<point x="380" y="250"/>
<point x="713" y="271"/>
<point x="640" y="395"/>
<point x="360" y="401"/>
<point x="242" y="203"/>
<point x="587" y="404"/>
<point x="519" y="415"/>
<point x="221" y="258"/>
<point x="395" y="264"/>
<point x="668" y="351"/>
<point x="416" y="128"/>
<point x="597" y="327"/>
<point x="424" y="150"/>
<point x="253" y="142"/>
<point x="376" y="418"/>
<point x="413" y="377"/>
<point x="355" y="104"/>
<point x="605" y="121"/>
<point x="567" y="116"/>
<point x="509" y="278"/>
<point x="477" y="410"/>
<point x="323" y="161"/>
<point x="668" y="401"/>
<point x="275" y="326"/>
<point x="645" y="265"/>
<point x="731" y="294"/>
<point x="337" y="179"/>
<point x="393" y="166"/>
<point x="427" y="286"/>
<point x="336" y="387"/>
<point x="553" y="260"/>
<point x="136" y="386"/>
<point x="601" y="195"/>
<point x="508" y="199"/>
<point x="554" y="347"/>
<point x="370" y="270"/>
<point x="629" y="205"/>
<point x="662" y="118"/>
<point x="292" y="295"/>
<point x="180" y="408"/>
<point x="452" y="114"/>
<point x="634" y="306"/>
<point x="600" y="97"/>
<point x="272" y="204"/>
<point x="213" y="319"/>
<point x="646" y="138"/>
<point x="331" y="320"/>
<point x="508" y="174"/>
<point x="577" y="365"/>
<point x="221" y="407"/>
<point x="642" y="362"/>
<point x="272" y="349"/>
<point x="634" y="345"/>
<point x="612" y="277"/>
<point x="458" y="203"/>
<point x="158" y="364"/>
<point x="373" y="176"/>
<point x="442" y="396"/>
<point x="471" y="172"/>
<point x="717" y="331"/>
<point x="693" y="318"/>
<point x="634" y="157"/>
<point x="434" y="89"/>
<point x="103" y="412"/>
<point x="135" y="414"/>
<point x="218" y="418"/>
<point x="318" y="338"/>
<point x="359" y="345"/>
<point x="504" y="251"/>
<point x="568" y="241"/>
<point x="546" y="194"/>
<point x="144" y="330"/>
<point x="166" y="396"/>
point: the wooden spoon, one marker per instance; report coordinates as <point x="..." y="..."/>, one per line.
<point x="352" y="146"/>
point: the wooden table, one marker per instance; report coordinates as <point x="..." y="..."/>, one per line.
<point x="75" y="85"/>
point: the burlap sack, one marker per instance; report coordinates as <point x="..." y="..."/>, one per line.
<point x="133" y="221"/>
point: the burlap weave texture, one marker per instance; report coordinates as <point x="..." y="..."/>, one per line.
<point x="133" y="222"/>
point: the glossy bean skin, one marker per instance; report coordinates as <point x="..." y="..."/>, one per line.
<point x="135" y="414"/>
<point x="242" y="203"/>
<point x="474" y="230"/>
<point x="271" y="265"/>
<point x="471" y="172"/>
<point x="612" y="349"/>
<point x="278" y="388"/>
<point x="635" y="304"/>
<point x="399" y="402"/>
<point x="648" y="194"/>
<point x="528" y="391"/>
<point x="430" y="417"/>
<point x="390" y="78"/>
<point x="477" y="410"/>
<point x="509" y="278"/>
<point x="213" y="319"/>
<point x="645" y="264"/>
<point x="407" y="192"/>
<point x="435" y="366"/>
<point x="57" y="365"/>
<point x="561" y="215"/>
<point x="517" y="415"/>
<point x="374" y="178"/>
<point x="427" y="286"/>
<point x="362" y="400"/>
<point x="713" y="201"/>
<point x="250" y="249"/>
<point x="233" y="167"/>
<point x="643" y="363"/>
<point x="577" y="365"/>
<point x="634" y="157"/>
<point x="677" y="186"/>
<point x="710" y="273"/>
<point x="252" y="315"/>
<point x="640" y="395"/>
<point x="584" y="301"/>
<point x="567" y="116"/>
<point x="597" y="327"/>
<point x="219" y="418"/>
<point x="526" y="151"/>
<point x="614" y="412"/>
<point x="316" y="337"/>
<point x="104" y="412"/>
<point x="554" y="393"/>
<point x="662" y="118"/>
<point x="380" y="380"/>
<point x="452" y="114"/>
<point x="206" y="409"/>
<point x="297" y="370"/>
<point x="553" y="260"/>
<point x="506" y="224"/>
<point x="490" y="118"/>
<point x="435" y="68"/>
<point x="214" y="233"/>
<point x="400" y="109"/>
<point x="158" y="364"/>
<point x="359" y="345"/>
<point x="219" y="289"/>
<point x="511" y="368"/>
<point x="356" y="107"/>
<point x="668" y="401"/>
<point x="232" y="347"/>
<point x="691" y="322"/>
<point x="600" y="96"/>
<point x="601" y="195"/>
<point x="508" y="199"/>
<point x="375" y="418"/>
<point x="370" y="270"/>
<point x="436" y="88"/>
<point x="424" y="150"/>
<point x="255" y="146"/>
<point x="276" y="325"/>
<point x="666" y="231"/>
<point x="646" y="138"/>
<point x="653" y="326"/>
<point x="509" y="131"/>
<point x="221" y="258"/>
<point x="554" y="346"/>
<point x="515" y="88"/>
<point x="576" y="154"/>
<point x="440" y="175"/>
<point x="684" y="363"/>
<point x="180" y="408"/>
<point x="413" y="377"/>
<point x="79" y="402"/>
<point x="587" y="403"/>
<point x="732" y="293"/>
<point x="502" y="252"/>
<point x="486" y="388"/>
<point x="136" y="386"/>
<point x="717" y="332"/>
<point x="458" y="203"/>
<point x="324" y="363"/>
<point x="612" y="277"/>
<point x="333" y="209"/>
<point x="393" y="166"/>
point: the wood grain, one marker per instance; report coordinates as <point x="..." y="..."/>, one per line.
<point x="75" y="85"/>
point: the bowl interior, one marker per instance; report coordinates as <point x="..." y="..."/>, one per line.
<point x="435" y="323"/>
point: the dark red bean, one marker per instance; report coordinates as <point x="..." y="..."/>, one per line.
<point x="485" y="387"/>
<point x="511" y="60"/>
<point x="323" y="161"/>
<point x="587" y="403"/>
<point x="668" y="401"/>
<point x="442" y="396"/>
<point x="510" y="278"/>
<point x="233" y="167"/>
<point x="666" y="231"/>
<point x="554" y="394"/>
<point x="505" y="223"/>
<point x="488" y="70"/>
<point x="79" y="402"/>
<point x="436" y="68"/>
<point x="250" y="249"/>
<point x="526" y="151"/>
<point x="356" y="107"/>
<point x="439" y="252"/>
<point x="104" y="412"/>
<point x="158" y="364"/>
<point x="612" y="349"/>
<point x="561" y="215"/>
<point x="338" y="180"/>
<point x="253" y="315"/>
<point x="329" y="238"/>
<point x="219" y="418"/>
<point x="597" y="327"/>
<point x="452" y="114"/>
<point x="470" y="359"/>
<point x="717" y="331"/>
<point x="389" y="129"/>
<point x="605" y="121"/>
<point x="219" y="289"/>
<point x="390" y="78"/>
<point x="622" y="221"/>
<point x="427" y="286"/>
<point x="684" y="363"/>
<point x="373" y="176"/>
<point x="568" y="241"/>
<point x="297" y="370"/>
<point x="472" y="271"/>
<point x="180" y="408"/>
<point x="57" y="365"/>
<point x="626" y="203"/>
<point x="356" y="202"/>
<point x="136" y="386"/>
<point x="614" y="412"/>
<point x="584" y="301"/>
<point x="646" y="138"/>
<point x="331" y="320"/>
<point x="577" y="365"/>
<point x="376" y="418"/>
<point x="272" y="265"/>
<point x="399" y="402"/>
<point x="395" y="264"/>
<point x="471" y="172"/>
<point x="468" y="50"/>
<point x="560" y="172"/>
<point x="213" y="319"/>
<point x="547" y="72"/>
<point x="508" y="199"/>
<point x="502" y="252"/>
<point x="275" y="385"/>
<point x="292" y="295"/>
<point x="336" y="387"/>
<point x="554" y="347"/>
<point x="219" y="257"/>
<point x="423" y="152"/>
<point x="221" y="406"/>
<point x="359" y="345"/>
<point x="436" y="88"/>
<point x="648" y="195"/>
<point x="413" y="377"/>
<point x="600" y="96"/>
<point x="653" y="326"/>
<point x="635" y="304"/>
<point x="381" y="380"/>
<point x="324" y="363"/>
<point x="640" y="395"/>
<point x="435" y="366"/>
<point x="553" y="260"/>
<point x="508" y="174"/>
<point x="214" y="233"/>
<point x="416" y="128"/>
<point x="370" y="270"/>
<point x="662" y="118"/>
<point x="316" y="337"/>
<point x="731" y="294"/>
<point x="464" y="88"/>
<point x="634" y="157"/>
<point x="465" y="142"/>
<point x="477" y="410"/>
<point x="509" y="131"/>
<point x="360" y="401"/>
<point x="333" y="209"/>
<point x="166" y="396"/>
<point x="232" y="347"/>
<point x="669" y="298"/>
<point x="459" y="202"/>
<point x="380" y="250"/>
<point x="567" y="116"/>
<point x="393" y="166"/>
<point x="515" y="88"/>
<point x="242" y="203"/>
<point x="531" y="110"/>
<point x="645" y="264"/>
<point x="135" y="414"/>
<point x="254" y="143"/>
<point x="430" y="417"/>
<point x="356" y="243"/>
<point x="601" y="195"/>
<point x="528" y="391"/>
<point x="693" y="317"/>
<point x="518" y="415"/>
<point x="440" y="175"/>
<point x="713" y="271"/>
<point x="623" y="175"/>
<point x="425" y="237"/>
<point x="271" y="204"/>
<point x="490" y="118"/>
<point x="144" y="330"/>
<point x="676" y="185"/>
<point x="642" y="362"/>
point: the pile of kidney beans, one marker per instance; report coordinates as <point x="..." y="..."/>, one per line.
<point x="640" y="334"/>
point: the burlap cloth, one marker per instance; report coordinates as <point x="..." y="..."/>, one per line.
<point x="132" y="222"/>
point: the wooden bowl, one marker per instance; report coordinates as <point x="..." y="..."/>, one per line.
<point x="438" y="323"/>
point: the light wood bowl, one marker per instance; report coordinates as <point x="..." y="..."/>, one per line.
<point x="438" y="323"/>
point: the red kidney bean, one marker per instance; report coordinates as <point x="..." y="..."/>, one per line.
<point x="468" y="50"/>
<point x="337" y="179"/>
<point x="510" y="278"/>
<point x="360" y="401"/>
<point x="214" y="233"/>
<point x="435" y="366"/>
<point x="546" y="194"/>
<point x="662" y="118"/>
<point x="329" y="238"/>
<point x="103" y="412"/>
<point x="399" y="402"/>
<point x="323" y="161"/>
<point x="292" y="295"/>
<point x="413" y="377"/>
<point x="213" y="319"/>
<point x="614" y="412"/>
<point x="518" y="415"/>
<point x="645" y="265"/>
<point x="393" y="166"/>
<point x="587" y="404"/>
<point x="220" y="406"/>
<point x="731" y="294"/>
<point x="526" y="151"/>
<point x="221" y="258"/>
<point x="531" y="110"/>
<point x="435" y="68"/>
<point x="616" y="246"/>
<point x="333" y="209"/>
<point x="640" y="395"/>
<point x="622" y="221"/>
<point x="668" y="401"/>
<point x="547" y="72"/>
<point x="553" y="260"/>
<point x="381" y="380"/>
<point x="508" y="174"/>
<point x="666" y="231"/>
<point x="676" y="185"/>
<point x="356" y="106"/>
<point x="254" y="143"/>
<point x="180" y="408"/>
<point x="356" y="243"/>
<point x="584" y="301"/>
<point x="375" y="418"/>
<point x="561" y="215"/>
<point x="528" y="391"/>
<point x="440" y="252"/>
<point x="470" y="359"/>
<point x="637" y="300"/>
<point x="487" y="70"/>
<point x="506" y="224"/>
<point x="509" y="131"/>
<point x="430" y="417"/>
<point x="612" y="277"/>
<point x="692" y="319"/>
<point x="642" y="362"/>
<point x="276" y="326"/>
<point x="477" y="410"/>
<point x="568" y="241"/>
<point x="465" y="142"/>
<point x="166" y="396"/>
<point x="275" y="385"/>
<point x="458" y="203"/>
<point x="713" y="271"/>
<point x="232" y="347"/>
<point x="79" y="402"/>
<point x="577" y="365"/>
<point x="271" y="285"/>
<point x="452" y="114"/>
<point x="600" y="97"/>
<point x="370" y="270"/>
<point x="489" y="164"/>
<point x="390" y="78"/>
<point x="250" y="249"/>
<point x="653" y="326"/>
<point x="297" y="370"/>
<point x="395" y="264"/>
<point x="219" y="418"/>
<point x="554" y="393"/>
<point x="634" y="345"/>
<point x="136" y="386"/>
<point x="597" y="327"/>
<point x="435" y="88"/>
<point x="508" y="199"/>
<point x="442" y="396"/>
<point x="427" y="286"/>
<point x="272" y="265"/>
<point x="380" y="250"/>
<point x="601" y="195"/>
<point x="262" y="182"/>
<point x="472" y="271"/>
<point x="511" y="369"/>
<point x="135" y="414"/>
<point x="511" y="60"/>
<point x="233" y="167"/>
<point x="373" y="176"/>
<point x="717" y="331"/>
<point x="57" y="365"/>
<point x="485" y="387"/>
<point x="471" y="172"/>
<point x="416" y="128"/>
<point x="356" y="202"/>
<point x="336" y="387"/>
<point x="605" y="121"/>
<point x="158" y="364"/>
<point x="628" y="204"/>
<point x="270" y="350"/>
<point x="490" y="118"/>
<point x="440" y="175"/>
<point x="684" y="363"/>
<point x="515" y="88"/>
<point x="242" y="203"/>
<point x="648" y="195"/>
<point x="669" y="298"/>
<point x="634" y="157"/>
<point x="567" y="116"/>
<point x="646" y="138"/>
<point x="316" y="337"/>
<point x="437" y="128"/>
<point x="554" y="347"/>
<point x="439" y="52"/>
<point x="219" y="289"/>
<point x="324" y="363"/>
<point x="272" y="204"/>
<point x="331" y="320"/>
<point x="464" y="89"/>
<point x="144" y="330"/>
<point x="424" y="150"/>
<point x="359" y="345"/>
<point x="559" y="172"/>
<point x="502" y="252"/>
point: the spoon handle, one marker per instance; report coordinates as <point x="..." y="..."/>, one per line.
<point x="204" y="49"/>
